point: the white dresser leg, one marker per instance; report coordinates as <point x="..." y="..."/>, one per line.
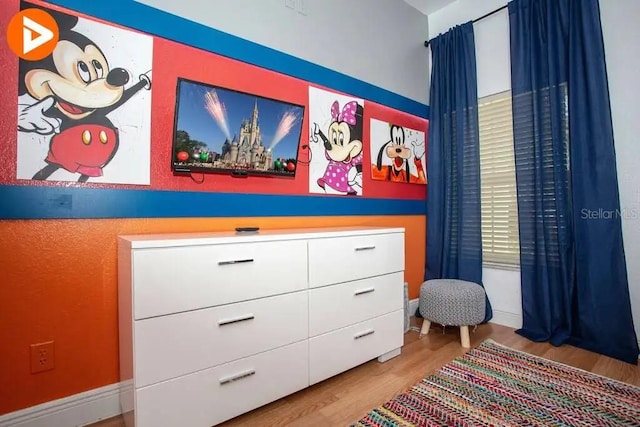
<point x="390" y="355"/>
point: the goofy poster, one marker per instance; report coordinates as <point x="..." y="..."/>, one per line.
<point x="84" y="111"/>
<point x="397" y="153"/>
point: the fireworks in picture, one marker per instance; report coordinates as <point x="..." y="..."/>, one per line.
<point x="287" y="122"/>
<point x="219" y="129"/>
<point x="217" y="111"/>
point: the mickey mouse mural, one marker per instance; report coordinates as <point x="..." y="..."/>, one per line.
<point x="84" y="110"/>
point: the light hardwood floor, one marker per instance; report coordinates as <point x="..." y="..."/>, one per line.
<point x="343" y="399"/>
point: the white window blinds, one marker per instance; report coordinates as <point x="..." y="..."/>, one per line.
<point x="500" y="246"/>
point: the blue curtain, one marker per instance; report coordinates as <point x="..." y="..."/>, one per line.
<point x="454" y="241"/>
<point x="573" y="269"/>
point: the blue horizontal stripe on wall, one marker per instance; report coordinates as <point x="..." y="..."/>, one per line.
<point x="26" y="202"/>
<point x="144" y="18"/>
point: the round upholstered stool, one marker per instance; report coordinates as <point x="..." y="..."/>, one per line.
<point x="452" y="302"/>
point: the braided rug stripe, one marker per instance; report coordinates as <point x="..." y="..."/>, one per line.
<point x="494" y="385"/>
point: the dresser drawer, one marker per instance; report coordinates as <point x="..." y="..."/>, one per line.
<point x="178" y="344"/>
<point x="214" y="395"/>
<point x="337" y="351"/>
<point x="334" y="307"/>
<point x="340" y="259"/>
<point x="175" y="279"/>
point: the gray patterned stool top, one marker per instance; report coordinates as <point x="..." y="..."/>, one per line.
<point x="452" y="302"/>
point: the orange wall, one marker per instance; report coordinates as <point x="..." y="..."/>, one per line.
<point x="58" y="278"/>
<point x="59" y="283"/>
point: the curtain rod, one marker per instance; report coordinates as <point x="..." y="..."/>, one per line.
<point x="426" y="43"/>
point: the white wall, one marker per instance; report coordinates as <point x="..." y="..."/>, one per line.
<point x="494" y="76"/>
<point x="621" y="35"/>
<point x="377" y="41"/>
<point x="429" y="6"/>
<point x="492" y="40"/>
<point x="460" y="12"/>
<point x="622" y="49"/>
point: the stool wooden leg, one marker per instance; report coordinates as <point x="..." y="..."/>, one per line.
<point x="426" y="324"/>
<point x="464" y="336"/>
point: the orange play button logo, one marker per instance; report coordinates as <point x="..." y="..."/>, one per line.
<point x="32" y="34"/>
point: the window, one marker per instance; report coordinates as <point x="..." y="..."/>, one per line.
<point x="542" y="147"/>
<point x="500" y="245"/>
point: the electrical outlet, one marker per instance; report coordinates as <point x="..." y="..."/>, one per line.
<point x="42" y="357"/>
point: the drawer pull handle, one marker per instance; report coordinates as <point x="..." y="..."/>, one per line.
<point x="235" y="320"/>
<point x="365" y="248"/>
<point x="235" y="261"/>
<point x="237" y="377"/>
<point x="364" y="291"/>
<point x="364" y="334"/>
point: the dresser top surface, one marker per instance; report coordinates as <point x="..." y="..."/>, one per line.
<point x="220" y="237"/>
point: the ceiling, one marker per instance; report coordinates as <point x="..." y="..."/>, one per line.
<point x="429" y="6"/>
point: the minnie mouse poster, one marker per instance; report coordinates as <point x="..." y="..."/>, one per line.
<point x="84" y="110"/>
<point x="336" y="143"/>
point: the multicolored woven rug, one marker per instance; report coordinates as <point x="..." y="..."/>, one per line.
<point x="493" y="385"/>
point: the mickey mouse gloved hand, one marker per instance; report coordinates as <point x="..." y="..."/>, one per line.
<point x="31" y="118"/>
<point x="146" y="77"/>
<point x="314" y="133"/>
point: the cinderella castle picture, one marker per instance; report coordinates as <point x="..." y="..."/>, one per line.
<point x="246" y="148"/>
<point x="223" y="130"/>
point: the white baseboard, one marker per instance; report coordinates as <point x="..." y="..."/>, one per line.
<point x="413" y="306"/>
<point x="104" y="402"/>
<point x="504" y="318"/>
<point x="77" y="410"/>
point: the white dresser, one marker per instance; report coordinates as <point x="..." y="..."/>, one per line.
<point x="213" y="325"/>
